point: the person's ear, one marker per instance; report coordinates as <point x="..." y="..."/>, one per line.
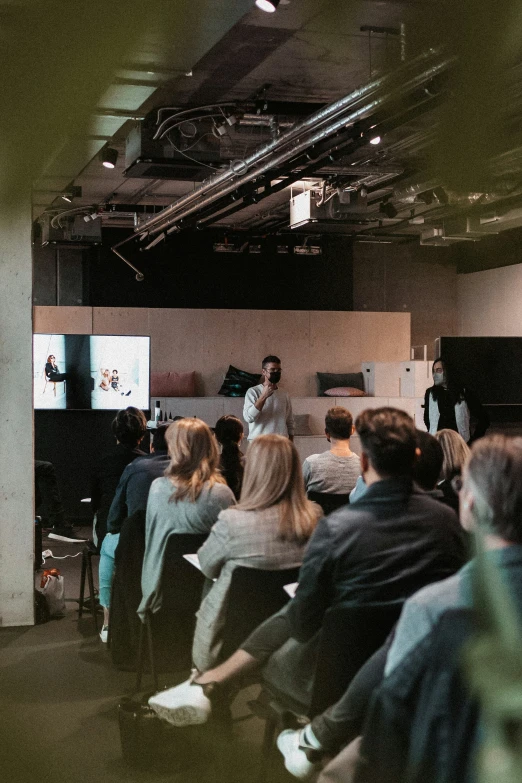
<point x="466" y="508"/>
<point x="327" y="435"/>
<point x="353" y="429"/>
<point x="365" y="463"/>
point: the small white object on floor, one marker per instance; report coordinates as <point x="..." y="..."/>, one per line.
<point x="104" y="634"/>
<point x="183" y="705"/>
<point x="291" y="588"/>
<point x="296" y="761"/>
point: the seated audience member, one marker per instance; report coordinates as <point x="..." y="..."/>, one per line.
<point x="456" y="454"/>
<point x="335" y="471"/>
<point x="129" y="428"/>
<point x="47" y="492"/>
<point x="424" y="701"/>
<point x="131" y="495"/>
<point x="268" y="529"/>
<point x="188" y="499"/>
<point x="229" y="434"/>
<point x="393" y="541"/>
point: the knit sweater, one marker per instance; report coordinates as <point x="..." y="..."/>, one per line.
<point x="275" y="417"/>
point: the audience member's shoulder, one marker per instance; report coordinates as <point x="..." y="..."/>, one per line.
<point x="425" y="500"/>
<point x="347" y="518"/>
<point x="446" y="591"/>
<point x="221" y="491"/>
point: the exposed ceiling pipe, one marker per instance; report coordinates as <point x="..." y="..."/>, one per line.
<point x="310" y="124"/>
<point x="177" y="213"/>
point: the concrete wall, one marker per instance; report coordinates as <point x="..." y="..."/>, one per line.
<point x="207" y="341"/>
<point x="490" y="303"/>
<point x="408" y="278"/>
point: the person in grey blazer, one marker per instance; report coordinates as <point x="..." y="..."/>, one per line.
<point x="269" y="530"/>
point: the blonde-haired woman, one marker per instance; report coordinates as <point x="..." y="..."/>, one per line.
<point x="456" y="453"/>
<point x="187" y="500"/>
<point x="268" y="529"/>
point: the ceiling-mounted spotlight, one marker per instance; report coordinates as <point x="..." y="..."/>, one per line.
<point x="376" y="140"/>
<point x="441" y="196"/>
<point x="267" y="5"/>
<point x="75" y="191"/>
<point x="109" y="157"/>
<point x="387" y="208"/>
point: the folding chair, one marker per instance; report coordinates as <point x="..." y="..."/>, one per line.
<point x="329" y="502"/>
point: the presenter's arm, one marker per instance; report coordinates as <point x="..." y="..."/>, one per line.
<point x="290" y="420"/>
<point x="253" y="404"/>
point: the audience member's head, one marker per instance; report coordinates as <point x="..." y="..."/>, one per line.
<point x="273" y="476"/>
<point x="229" y="431"/>
<point x="129" y="426"/>
<point x="428" y="462"/>
<point x="491" y="495"/>
<point x="338" y="424"/>
<point x="388" y="442"/>
<point x="159" y="438"/>
<point x="456" y="453"/>
<point x="194" y="458"/>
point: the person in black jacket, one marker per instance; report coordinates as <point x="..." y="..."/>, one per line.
<point x="129" y="428"/>
<point x="380" y="549"/>
<point x="450" y="405"/>
<point x="52" y="372"/>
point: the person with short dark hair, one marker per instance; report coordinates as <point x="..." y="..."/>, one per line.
<point x="335" y="471"/>
<point x="448" y="404"/>
<point x="394" y="540"/>
<point x="267" y="408"/>
<point x="128" y="427"/>
<point x="428" y="463"/>
<point x="229" y="434"/>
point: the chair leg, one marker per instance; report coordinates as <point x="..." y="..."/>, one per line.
<point x="91" y="591"/>
<point x="151" y="654"/>
<point x="266" y="749"/>
<point x="141" y="655"/>
<point x="54" y="384"/>
<point x="82" y="582"/>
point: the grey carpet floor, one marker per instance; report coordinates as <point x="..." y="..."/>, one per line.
<point x="59" y="695"/>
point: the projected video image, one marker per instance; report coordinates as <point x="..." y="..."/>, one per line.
<point x="82" y="372"/>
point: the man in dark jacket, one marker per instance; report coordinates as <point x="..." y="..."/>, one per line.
<point x="381" y="549"/>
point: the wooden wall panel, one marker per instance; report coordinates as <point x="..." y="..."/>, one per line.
<point x="207" y="341"/>
<point x="62" y="320"/>
<point x="490" y="303"/>
<point x="120" y="320"/>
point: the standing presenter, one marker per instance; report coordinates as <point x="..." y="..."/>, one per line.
<point x="268" y="409"/>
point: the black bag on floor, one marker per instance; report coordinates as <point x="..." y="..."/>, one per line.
<point x="150" y="743"/>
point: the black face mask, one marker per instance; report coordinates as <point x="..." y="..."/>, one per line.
<point x="275" y="376"/>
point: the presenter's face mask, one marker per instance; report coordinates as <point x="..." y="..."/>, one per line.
<point x="438" y="378"/>
<point x="275" y="376"/>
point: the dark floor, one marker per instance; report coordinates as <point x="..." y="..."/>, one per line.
<point x="59" y="697"/>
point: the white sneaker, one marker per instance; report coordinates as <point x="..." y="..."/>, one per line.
<point x="295" y="758"/>
<point x="184" y="705"/>
<point x="104" y="634"/>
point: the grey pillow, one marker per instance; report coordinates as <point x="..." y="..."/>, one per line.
<point x="330" y="380"/>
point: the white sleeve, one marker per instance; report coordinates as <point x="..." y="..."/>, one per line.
<point x="289" y="418"/>
<point x="250" y="412"/>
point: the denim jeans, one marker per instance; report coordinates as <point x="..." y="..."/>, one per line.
<point x="106" y="568"/>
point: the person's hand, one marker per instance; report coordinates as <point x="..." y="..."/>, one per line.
<point x="268" y="390"/>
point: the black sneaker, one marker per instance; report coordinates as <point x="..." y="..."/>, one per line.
<point x="66" y="534"/>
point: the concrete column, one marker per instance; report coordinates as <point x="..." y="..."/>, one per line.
<point x="16" y="404"/>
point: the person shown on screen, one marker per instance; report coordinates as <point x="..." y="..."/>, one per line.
<point x="268" y="409"/>
<point x="450" y="405"/>
<point x="115" y="380"/>
<point x="52" y="372"/>
<point x="106" y="380"/>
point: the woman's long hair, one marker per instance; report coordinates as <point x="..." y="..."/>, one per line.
<point x="194" y="459"/>
<point x="229" y="431"/>
<point x="49" y="359"/>
<point x="456" y="453"/>
<point x="273" y="477"/>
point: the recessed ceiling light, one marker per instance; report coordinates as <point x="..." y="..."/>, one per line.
<point x="267" y="5"/>
<point x="375" y="140"/>
<point x="109" y="157"/>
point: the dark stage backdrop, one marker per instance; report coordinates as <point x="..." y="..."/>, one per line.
<point x="74" y="441"/>
<point x="186" y="272"/>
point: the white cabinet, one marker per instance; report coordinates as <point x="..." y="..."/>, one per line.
<point x="415" y="378"/>
<point x="382" y="379"/>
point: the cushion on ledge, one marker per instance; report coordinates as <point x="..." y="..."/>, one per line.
<point x="344" y="391"/>
<point x="333" y="380"/>
<point x="302" y="424"/>
<point x="173" y="384"/>
<point x="236" y="382"/>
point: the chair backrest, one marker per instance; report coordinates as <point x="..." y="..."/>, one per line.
<point x="254" y="595"/>
<point x="181" y="587"/>
<point x="329" y="502"/>
<point x="350" y="635"/>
